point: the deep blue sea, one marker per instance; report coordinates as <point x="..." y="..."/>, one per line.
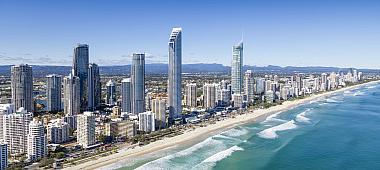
<point x="341" y="131"/>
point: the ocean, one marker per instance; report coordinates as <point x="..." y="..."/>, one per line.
<point x="341" y="131"/>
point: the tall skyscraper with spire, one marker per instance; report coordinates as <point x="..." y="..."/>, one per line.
<point x="138" y="83"/>
<point x="80" y="69"/>
<point x="174" y="75"/>
<point x="237" y="68"/>
<point x="22" y="87"/>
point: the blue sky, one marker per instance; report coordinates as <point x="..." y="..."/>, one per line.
<point x="341" y="33"/>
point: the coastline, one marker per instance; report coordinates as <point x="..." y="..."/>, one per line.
<point x="193" y="136"/>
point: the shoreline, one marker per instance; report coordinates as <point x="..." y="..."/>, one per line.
<point x="194" y="136"/>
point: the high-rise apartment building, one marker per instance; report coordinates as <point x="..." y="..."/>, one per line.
<point x="36" y="141"/>
<point x="71" y="90"/>
<point x="209" y="96"/>
<point x="126" y="95"/>
<point x="138" y="83"/>
<point x="159" y="109"/>
<point x="237" y="68"/>
<point x="175" y="74"/>
<point x="191" y="95"/>
<point x="111" y="93"/>
<point x="3" y="155"/>
<point x="16" y="128"/>
<point x="94" y="87"/>
<point x="249" y="85"/>
<point x="22" y="87"/>
<point x="86" y="129"/>
<point x="58" y="131"/>
<point x="80" y="69"/>
<point x="54" y="92"/>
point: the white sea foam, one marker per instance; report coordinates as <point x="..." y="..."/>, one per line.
<point x="273" y="118"/>
<point x="302" y="117"/>
<point x="358" y="93"/>
<point x="371" y="87"/>
<point x="212" y="160"/>
<point x="347" y="92"/>
<point x="331" y="101"/>
<point x="270" y="133"/>
<point x="164" y="162"/>
<point x="235" y="132"/>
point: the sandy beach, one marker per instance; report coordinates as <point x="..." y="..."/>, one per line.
<point x="219" y="126"/>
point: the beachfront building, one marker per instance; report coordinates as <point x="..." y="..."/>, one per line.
<point x="3" y="155"/>
<point x="36" y="141"/>
<point x="209" y="96"/>
<point x="238" y="100"/>
<point x="54" y="92"/>
<point x="121" y="129"/>
<point x="22" y="87"/>
<point x="147" y="121"/>
<point x="237" y="69"/>
<point x="191" y="95"/>
<point x="159" y="109"/>
<point x="16" y="128"/>
<point x="175" y="74"/>
<point x="249" y="86"/>
<point x="58" y="131"/>
<point x="86" y="129"/>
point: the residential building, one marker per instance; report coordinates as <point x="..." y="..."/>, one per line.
<point x="54" y="92"/>
<point x="175" y="74"/>
<point x="22" y="87"/>
<point x="36" y="141"/>
<point x="138" y="83"/>
<point x="86" y="129"/>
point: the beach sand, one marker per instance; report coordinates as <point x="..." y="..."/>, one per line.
<point x="203" y="132"/>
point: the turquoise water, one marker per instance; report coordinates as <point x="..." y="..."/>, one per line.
<point x="341" y="131"/>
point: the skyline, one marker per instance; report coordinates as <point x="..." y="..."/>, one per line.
<point x="292" y="33"/>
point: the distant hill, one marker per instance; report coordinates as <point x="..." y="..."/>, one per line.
<point x="39" y="70"/>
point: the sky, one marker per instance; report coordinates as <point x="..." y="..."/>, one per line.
<point x="343" y="33"/>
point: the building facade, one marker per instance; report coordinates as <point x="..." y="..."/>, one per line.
<point x="3" y="155"/>
<point x="237" y="69"/>
<point x="80" y="69"/>
<point x="36" y="141"/>
<point x="54" y="92"/>
<point x="147" y="121"/>
<point x="71" y="88"/>
<point x="191" y="95"/>
<point x="111" y="93"/>
<point x="16" y="129"/>
<point x="249" y="83"/>
<point x="86" y="129"/>
<point x="175" y="74"/>
<point x="126" y="95"/>
<point x="94" y="87"/>
<point x="58" y="131"/>
<point x="22" y="87"/>
<point x="138" y="83"/>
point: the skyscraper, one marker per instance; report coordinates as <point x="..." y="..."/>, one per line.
<point x="159" y="109"/>
<point x="3" y="155"/>
<point x="174" y="75"/>
<point x="209" y="96"/>
<point x="249" y="85"/>
<point x="191" y="95"/>
<point x="80" y="69"/>
<point x="111" y="93"/>
<point x="71" y="90"/>
<point x="54" y="92"/>
<point x="126" y="95"/>
<point x="86" y="129"/>
<point x="36" y="141"/>
<point x="94" y="87"/>
<point x="22" y="87"/>
<point x="237" y="68"/>
<point x="16" y="128"/>
<point x="138" y="83"/>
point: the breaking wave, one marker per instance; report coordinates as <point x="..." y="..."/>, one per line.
<point x="270" y="133"/>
